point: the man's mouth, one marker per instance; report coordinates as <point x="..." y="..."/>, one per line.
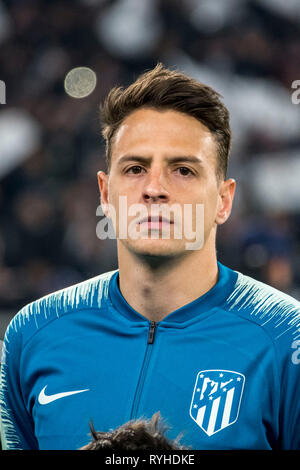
<point x="155" y="222"/>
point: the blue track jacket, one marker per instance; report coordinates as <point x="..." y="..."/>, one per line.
<point x="223" y="370"/>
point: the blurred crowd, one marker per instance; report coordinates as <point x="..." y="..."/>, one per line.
<point x="51" y="146"/>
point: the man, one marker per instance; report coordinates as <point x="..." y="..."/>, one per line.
<point x="173" y="330"/>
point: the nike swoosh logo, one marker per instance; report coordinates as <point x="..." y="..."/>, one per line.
<point x="44" y="399"/>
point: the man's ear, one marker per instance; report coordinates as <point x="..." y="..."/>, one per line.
<point x="103" y="189"/>
<point x="226" y="195"/>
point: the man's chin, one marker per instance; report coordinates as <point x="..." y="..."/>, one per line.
<point x="155" y="248"/>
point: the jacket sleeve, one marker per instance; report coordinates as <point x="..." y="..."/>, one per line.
<point x="17" y="430"/>
<point x="289" y="419"/>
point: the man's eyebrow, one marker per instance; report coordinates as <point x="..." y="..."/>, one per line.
<point x="185" y="158"/>
<point x="133" y="158"/>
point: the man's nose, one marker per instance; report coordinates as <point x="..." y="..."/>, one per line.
<point x="155" y="188"/>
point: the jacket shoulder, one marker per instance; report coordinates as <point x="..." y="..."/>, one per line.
<point x="273" y="310"/>
<point x="91" y="293"/>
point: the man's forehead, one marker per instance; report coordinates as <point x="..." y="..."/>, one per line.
<point x="144" y="118"/>
<point x="147" y="127"/>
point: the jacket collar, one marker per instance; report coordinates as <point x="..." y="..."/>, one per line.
<point x="205" y="304"/>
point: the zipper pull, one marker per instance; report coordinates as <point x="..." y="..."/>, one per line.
<point x="151" y="332"/>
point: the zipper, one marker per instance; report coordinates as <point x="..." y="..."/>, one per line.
<point x="144" y="368"/>
<point x="151" y="332"/>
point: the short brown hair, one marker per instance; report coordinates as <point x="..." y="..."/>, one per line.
<point x="162" y="88"/>
<point x="141" y="435"/>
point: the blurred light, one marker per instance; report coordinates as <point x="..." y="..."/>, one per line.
<point x="80" y="82"/>
<point x="19" y="138"/>
<point x="130" y="28"/>
<point x="273" y="182"/>
<point x="211" y="15"/>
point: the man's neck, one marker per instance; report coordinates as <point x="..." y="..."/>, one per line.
<point x="157" y="289"/>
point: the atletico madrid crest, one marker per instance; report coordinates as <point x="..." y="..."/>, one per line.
<point x="216" y="399"/>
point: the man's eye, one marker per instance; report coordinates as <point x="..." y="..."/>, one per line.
<point x="136" y="169"/>
<point x="184" y="171"/>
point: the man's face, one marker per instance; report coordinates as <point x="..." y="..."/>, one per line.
<point x="164" y="160"/>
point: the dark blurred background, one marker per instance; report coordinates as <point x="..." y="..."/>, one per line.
<point x="51" y="146"/>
